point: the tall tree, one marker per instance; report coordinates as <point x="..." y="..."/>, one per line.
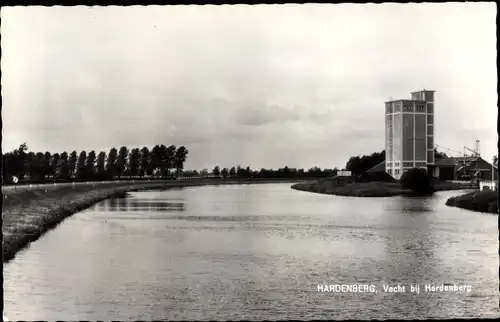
<point x="232" y="172"/>
<point x="19" y="161"/>
<point x="162" y="160"/>
<point x="224" y="172"/>
<point x="216" y="171"/>
<point x="248" y="172"/>
<point x="179" y="158"/>
<point x="156" y="158"/>
<point x="239" y="171"/>
<point x="6" y="170"/>
<point x="46" y="164"/>
<point x="54" y="164"/>
<point x="15" y="163"/>
<point x="80" y="166"/>
<point x="62" y="166"/>
<point x="101" y="165"/>
<point x="73" y="157"/>
<point x="145" y="161"/>
<point x="90" y="165"/>
<point x="36" y="167"/>
<point x="30" y="164"/>
<point x="121" y="161"/>
<point x="169" y="159"/>
<point x="134" y="162"/>
<point x="111" y="163"/>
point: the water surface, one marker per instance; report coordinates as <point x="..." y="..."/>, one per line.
<point x="256" y="252"/>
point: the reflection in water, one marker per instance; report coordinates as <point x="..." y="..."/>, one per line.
<point x="411" y="252"/>
<point x="255" y="252"/>
<point x="112" y="203"/>
<point x="412" y="205"/>
<point x="122" y="205"/>
<point x="138" y="205"/>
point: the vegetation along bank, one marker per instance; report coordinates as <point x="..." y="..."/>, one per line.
<point x="482" y="201"/>
<point x="414" y="182"/>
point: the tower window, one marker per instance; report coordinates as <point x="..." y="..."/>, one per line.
<point x="407" y="108"/>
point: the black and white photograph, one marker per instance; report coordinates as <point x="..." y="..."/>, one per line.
<point x="288" y="161"/>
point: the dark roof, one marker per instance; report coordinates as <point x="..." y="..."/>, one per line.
<point x="455" y="161"/>
<point x="424" y="90"/>
<point x="446" y="162"/>
<point x="405" y="100"/>
<point x="378" y="168"/>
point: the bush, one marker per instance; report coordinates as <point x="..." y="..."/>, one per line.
<point x="484" y="201"/>
<point x="418" y="181"/>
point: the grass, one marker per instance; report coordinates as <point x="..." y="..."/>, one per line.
<point x="357" y="189"/>
<point x="368" y="189"/>
<point x="482" y="201"/>
<point x="29" y="213"/>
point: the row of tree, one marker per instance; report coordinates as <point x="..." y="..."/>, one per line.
<point x="361" y="164"/>
<point x="286" y="172"/>
<point x="160" y="160"/>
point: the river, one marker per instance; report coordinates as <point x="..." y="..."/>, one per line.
<point x="257" y="252"/>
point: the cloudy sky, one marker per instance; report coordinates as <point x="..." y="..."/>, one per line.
<point x="265" y="86"/>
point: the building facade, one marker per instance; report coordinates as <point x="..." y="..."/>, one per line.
<point x="409" y="135"/>
<point x="464" y="169"/>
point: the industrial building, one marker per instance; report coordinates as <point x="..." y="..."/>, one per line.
<point x="469" y="168"/>
<point x="409" y="143"/>
<point x="466" y="168"/>
<point x="409" y="133"/>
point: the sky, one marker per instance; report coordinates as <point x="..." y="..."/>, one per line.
<point x="262" y="86"/>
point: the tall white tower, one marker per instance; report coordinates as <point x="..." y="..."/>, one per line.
<point x="409" y="128"/>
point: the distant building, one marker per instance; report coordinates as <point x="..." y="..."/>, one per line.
<point x="409" y="133"/>
<point x="455" y="169"/>
<point x="463" y="169"/>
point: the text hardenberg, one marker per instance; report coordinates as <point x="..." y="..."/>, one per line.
<point x="345" y="288"/>
<point x="447" y="288"/>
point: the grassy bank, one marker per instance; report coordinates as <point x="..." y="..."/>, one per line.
<point x="482" y="201"/>
<point x="368" y="189"/>
<point x="357" y="189"/>
<point x="29" y="213"/>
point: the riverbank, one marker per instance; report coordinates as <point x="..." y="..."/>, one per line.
<point x="481" y="201"/>
<point x="369" y="189"/>
<point x="30" y="212"/>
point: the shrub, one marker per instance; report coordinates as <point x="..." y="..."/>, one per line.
<point x="418" y="181"/>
